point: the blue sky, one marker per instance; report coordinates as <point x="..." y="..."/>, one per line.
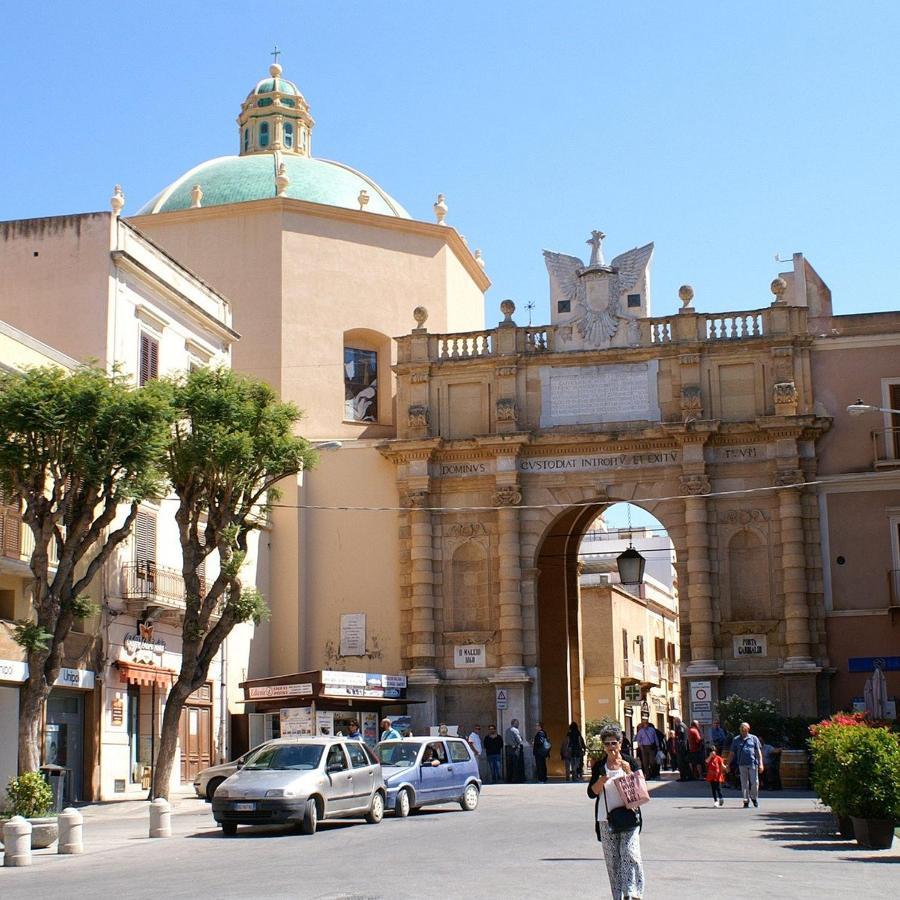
<point x="726" y="133"/>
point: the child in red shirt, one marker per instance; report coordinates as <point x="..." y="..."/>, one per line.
<point x="715" y="775"/>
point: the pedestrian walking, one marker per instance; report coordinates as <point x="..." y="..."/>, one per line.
<point x="647" y="747"/>
<point x="541" y="748"/>
<point x="695" y="750"/>
<point x="514" y="745"/>
<point x="718" y="736"/>
<point x="573" y="750"/>
<point x="621" y="849"/>
<point x="493" y="747"/>
<point x="747" y="750"/>
<point x="681" y="753"/>
<point x="715" y="774"/>
<point x="672" y="751"/>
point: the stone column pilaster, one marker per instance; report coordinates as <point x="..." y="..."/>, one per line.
<point x="512" y="659"/>
<point x="421" y="652"/>
<point x="793" y="571"/>
<point x="703" y="652"/>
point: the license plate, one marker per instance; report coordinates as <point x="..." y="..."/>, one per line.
<point x="244" y="807"/>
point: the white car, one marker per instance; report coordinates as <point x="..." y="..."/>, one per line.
<point x="206" y="781"/>
<point x="299" y="781"/>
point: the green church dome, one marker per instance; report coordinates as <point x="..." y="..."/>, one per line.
<point x="236" y="179"/>
<point x="275" y="146"/>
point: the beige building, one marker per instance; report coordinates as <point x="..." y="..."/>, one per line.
<point x="94" y="288"/>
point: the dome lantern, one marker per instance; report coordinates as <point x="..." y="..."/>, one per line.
<point x="275" y="117"/>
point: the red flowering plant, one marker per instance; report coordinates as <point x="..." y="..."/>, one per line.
<point x="856" y="765"/>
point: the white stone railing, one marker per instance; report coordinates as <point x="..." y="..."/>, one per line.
<point x="690" y="327"/>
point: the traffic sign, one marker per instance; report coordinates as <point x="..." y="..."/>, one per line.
<point x="502" y="699"/>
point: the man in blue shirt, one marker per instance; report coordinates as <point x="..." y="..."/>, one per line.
<point x="748" y="750"/>
<point x="388" y="732"/>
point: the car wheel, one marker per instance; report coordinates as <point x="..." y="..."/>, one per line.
<point x="229" y="829"/>
<point x="402" y="805"/>
<point x="310" y="817"/>
<point x="211" y="788"/>
<point x="376" y="810"/>
<point x="470" y="798"/>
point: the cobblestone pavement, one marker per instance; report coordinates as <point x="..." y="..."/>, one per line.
<point x="523" y="841"/>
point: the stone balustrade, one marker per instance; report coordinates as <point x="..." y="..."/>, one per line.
<point x="686" y="327"/>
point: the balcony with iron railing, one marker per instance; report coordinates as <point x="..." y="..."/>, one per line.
<point x="146" y="586"/>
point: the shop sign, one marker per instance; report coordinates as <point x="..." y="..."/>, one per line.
<point x="394" y="681"/>
<point x="75" y="678"/>
<point x="13" y="670"/>
<point x="469" y="656"/>
<point x="324" y="723"/>
<point x="353" y="634"/>
<point x="265" y="691"/>
<point x="349" y="690"/>
<point x="750" y="645"/>
<point x="16" y="670"/>
<point x="631" y="692"/>
<point x="143" y="642"/>
<point x="868" y="663"/>
<point x="296" y="720"/>
<point x="347" y="679"/>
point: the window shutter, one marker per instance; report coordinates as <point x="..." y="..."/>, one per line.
<point x="149" y="365"/>
<point x="145" y="537"/>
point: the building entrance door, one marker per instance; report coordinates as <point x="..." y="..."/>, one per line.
<point x="195" y="738"/>
<point x="64" y="738"/>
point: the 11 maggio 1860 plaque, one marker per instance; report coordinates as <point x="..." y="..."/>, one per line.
<point x="620" y="392"/>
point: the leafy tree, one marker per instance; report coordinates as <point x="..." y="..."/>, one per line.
<point x="74" y="447"/>
<point x="233" y="440"/>
<point x="762" y="715"/>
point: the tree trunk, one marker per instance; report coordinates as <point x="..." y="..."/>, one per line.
<point x="32" y="695"/>
<point x="168" y="740"/>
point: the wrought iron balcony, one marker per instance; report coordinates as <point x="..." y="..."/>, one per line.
<point x="146" y="584"/>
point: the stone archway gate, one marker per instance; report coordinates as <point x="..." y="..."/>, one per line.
<point x="706" y="420"/>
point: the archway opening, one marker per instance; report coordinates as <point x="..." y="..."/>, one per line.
<point x="606" y="649"/>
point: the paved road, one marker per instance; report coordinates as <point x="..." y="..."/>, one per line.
<point x="523" y="841"/>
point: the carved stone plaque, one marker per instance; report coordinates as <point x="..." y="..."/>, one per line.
<point x="619" y="392"/>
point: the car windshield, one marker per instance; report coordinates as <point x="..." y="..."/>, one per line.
<point x="395" y="753"/>
<point x="285" y="756"/>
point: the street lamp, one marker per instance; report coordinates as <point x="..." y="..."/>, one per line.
<point x="327" y="445"/>
<point x="631" y="566"/>
<point x="859" y="408"/>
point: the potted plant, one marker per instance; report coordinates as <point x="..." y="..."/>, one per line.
<point x="30" y="796"/>
<point x="857" y="773"/>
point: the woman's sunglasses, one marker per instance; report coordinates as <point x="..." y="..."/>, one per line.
<point x="610" y="743"/>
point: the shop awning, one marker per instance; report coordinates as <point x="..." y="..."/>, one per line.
<point x="138" y="673"/>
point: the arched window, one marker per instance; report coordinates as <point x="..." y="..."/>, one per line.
<point x="302" y="137"/>
<point x="263" y="134"/>
<point x="246" y="139"/>
<point x="360" y="385"/>
<point x="288" y="135"/>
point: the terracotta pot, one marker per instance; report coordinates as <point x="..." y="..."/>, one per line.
<point x="874" y="834"/>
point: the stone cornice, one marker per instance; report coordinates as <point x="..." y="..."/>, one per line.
<point x="447" y="234"/>
<point x="400" y="451"/>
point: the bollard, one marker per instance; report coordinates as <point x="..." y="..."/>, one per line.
<point x="70" y="823"/>
<point x="17" y="840"/>
<point x="160" y="818"/>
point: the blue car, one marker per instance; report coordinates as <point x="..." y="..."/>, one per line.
<point x="423" y="771"/>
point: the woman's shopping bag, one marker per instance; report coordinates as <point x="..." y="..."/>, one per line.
<point x="633" y="790"/>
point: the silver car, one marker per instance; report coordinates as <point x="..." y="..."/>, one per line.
<point x="299" y="781"/>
